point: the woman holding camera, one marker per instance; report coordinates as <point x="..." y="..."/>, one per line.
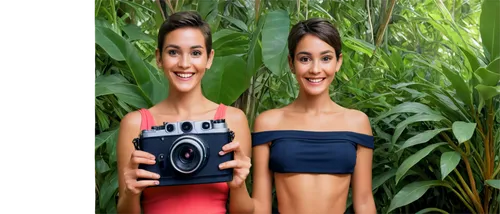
<point x="313" y="148"/>
<point x="184" y="54"/>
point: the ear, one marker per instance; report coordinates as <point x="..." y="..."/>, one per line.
<point x="339" y="63"/>
<point x="290" y="63"/>
<point x="158" y="58"/>
<point x="210" y="59"/>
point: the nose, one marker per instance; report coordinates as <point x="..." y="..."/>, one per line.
<point x="184" y="62"/>
<point x="315" y="67"/>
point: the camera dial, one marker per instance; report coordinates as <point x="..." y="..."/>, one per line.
<point x="186" y="126"/>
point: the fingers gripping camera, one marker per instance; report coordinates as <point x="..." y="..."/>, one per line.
<point x="187" y="152"/>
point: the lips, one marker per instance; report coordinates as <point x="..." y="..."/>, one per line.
<point x="184" y="75"/>
<point x="315" y="80"/>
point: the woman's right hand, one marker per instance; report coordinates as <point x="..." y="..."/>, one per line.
<point x="132" y="173"/>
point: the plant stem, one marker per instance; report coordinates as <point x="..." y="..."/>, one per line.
<point x="475" y="200"/>
<point x="467" y="198"/>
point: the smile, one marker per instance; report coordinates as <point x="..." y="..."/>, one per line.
<point x="315" y="80"/>
<point x="184" y="75"/>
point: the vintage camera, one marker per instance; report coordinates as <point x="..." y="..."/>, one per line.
<point x="187" y="152"/>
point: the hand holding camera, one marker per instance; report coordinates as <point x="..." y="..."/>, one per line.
<point x="241" y="164"/>
<point x="186" y="152"/>
<point x="133" y="173"/>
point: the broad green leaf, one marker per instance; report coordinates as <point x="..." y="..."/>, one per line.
<point x="471" y="58"/>
<point x="487" y="92"/>
<point x="493" y="183"/>
<point x="254" y="60"/>
<point x="126" y="92"/>
<point x="462" y="89"/>
<point x="274" y="41"/>
<point x="230" y="72"/>
<point x="101" y="166"/>
<point x="108" y="189"/>
<point x="359" y="45"/>
<point x="422" y="137"/>
<point x="414" y="159"/>
<point x="107" y="44"/>
<point x="494" y="66"/>
<point x="412" y="192"/>
<point x="415" y="118"/>
<point x="489" y="26"/>
<point x="431" y="210"/>
<point x="104" y="137"/>
<point x="135" y="33"/>
<point x="150" y="86"/>
<point x="382" y="178"/>
<point x="236" y="22"/>
<point x="487" y="77"/>
<point x="449" y="161"/>
<point x="463" y="131"/>
<point x="407" y="107"/>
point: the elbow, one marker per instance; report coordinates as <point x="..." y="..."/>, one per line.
<point x="365" y="204"/>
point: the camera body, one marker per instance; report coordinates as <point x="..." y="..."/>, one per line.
<point x="187" y="152"/>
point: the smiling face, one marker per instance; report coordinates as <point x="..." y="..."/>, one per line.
<point x="184" y="58"/>
<point x="314" y="64"/>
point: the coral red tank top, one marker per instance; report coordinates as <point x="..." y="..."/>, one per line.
<point x="186" y="199"/>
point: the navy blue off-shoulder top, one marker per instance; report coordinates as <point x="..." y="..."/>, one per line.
<point x="326" y="152"/>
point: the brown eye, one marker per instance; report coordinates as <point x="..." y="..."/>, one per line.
<point x="197" y="53"/>
<point x="172" y="52"/>
<point x="304" y="59"/>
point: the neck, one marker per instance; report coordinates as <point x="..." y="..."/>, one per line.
<point x="314" y="104"/>
<point x="186" y="103"/>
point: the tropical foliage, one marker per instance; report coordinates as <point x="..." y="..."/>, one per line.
<point x="426" y="72"/>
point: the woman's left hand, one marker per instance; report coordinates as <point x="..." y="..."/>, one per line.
<point x="241" y="164"/>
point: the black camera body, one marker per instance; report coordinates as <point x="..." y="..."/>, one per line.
<point x="187" y="152"/>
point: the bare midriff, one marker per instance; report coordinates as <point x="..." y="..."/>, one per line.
<point x="311" y="193"/>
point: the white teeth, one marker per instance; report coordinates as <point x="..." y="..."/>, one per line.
<point x="184" y="75"/>
<point x="314" y="80"/>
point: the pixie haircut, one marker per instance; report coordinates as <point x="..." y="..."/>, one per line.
<point x="318" y="27"/>
<point x="189" y="19"/>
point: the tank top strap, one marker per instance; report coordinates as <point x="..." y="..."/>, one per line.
<point x="221" y="112"/>
<point x="147" y="120"/>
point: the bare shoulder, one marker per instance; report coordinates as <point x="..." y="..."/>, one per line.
<point x="268" y="120"/>
<point x="235" y="115"/>
<point x="358" y="121"/>
<point x="131" y="120"/>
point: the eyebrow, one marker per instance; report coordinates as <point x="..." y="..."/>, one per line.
<point x="177" y="47"/>
<point x="307" y="53"/>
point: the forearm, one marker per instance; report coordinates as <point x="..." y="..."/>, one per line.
<point x="261" y="208"/>
<point x="240" y="201"/>
<point x="367" y="207"/>
<point x="129" y="204"/>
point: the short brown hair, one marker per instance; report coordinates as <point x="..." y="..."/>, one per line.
<point x="185" y="19"/>
<point x="318" y="27"/>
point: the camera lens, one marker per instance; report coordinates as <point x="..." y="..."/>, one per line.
<point x="188" y="155"/>
<point x="170" y="127"/>
<point x="186" y="127"/>
<point x="205" y="125"/>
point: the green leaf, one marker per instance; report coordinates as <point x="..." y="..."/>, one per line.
<point x="431" y="210"/>
<point x="135" y="33"/>
<point x="109" y="188"/>
<point x="230" y="72"/>
<point x="415" y="118"/>
<point x="126" y="92"/>
<point x="493" y="183"/>
<point x="494" y="66"/>
<point x="487" y="77"/>
<point x="107" y="44"/>
<point x="487" y="92"/>
<point x="254" y="60"/>
<point x="422" y="137"/>
<point x="382" y="178"/>
<point x="463" y="91"/>
<point x="101" y="166"/>
<point x="414" y="159"/>
<point x="274" y="41"/>
<point x="104" y="137"/>
<point x="489" y="26"/>
<point x="236" y="22"/>
<point x="449" y="161"/>
<point x="412" y="192"/>
<point x="463" y="131"/>
<point x="407" y="107"/>
<point x="471" y="58"/>
<point x="359" y="45"/>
